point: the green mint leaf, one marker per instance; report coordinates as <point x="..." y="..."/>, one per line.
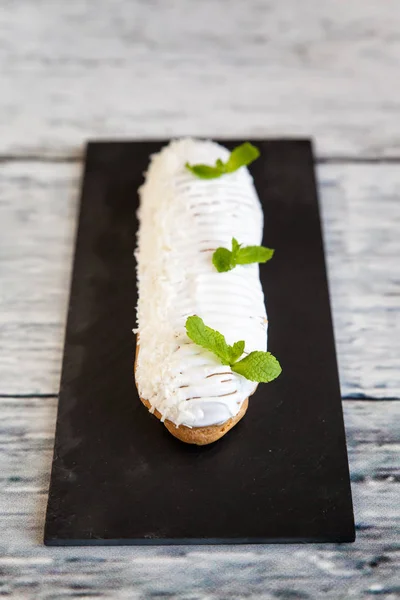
<point x="242" y="156"/>
<point x="222" y="260"/>
<point x="204" y="171"/>
<point x="236" y="351"/>
<point x="235" y="249"/>
<point x="208" y="338"/>
<point x="253" y="254"/>
<point x="225" y="260"/>
<point x="213" y="340"/>
<point x="258" y="366"/>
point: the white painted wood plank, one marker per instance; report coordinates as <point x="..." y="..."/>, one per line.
<point x="73" y="70"/>
<point x="26" y="440"/>
<point x="361" y="216"/>
<point x="361" y="211"/>
<point x="38" y="204"/>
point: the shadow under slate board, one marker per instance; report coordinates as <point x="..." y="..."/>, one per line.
<point x="118" y="476"/>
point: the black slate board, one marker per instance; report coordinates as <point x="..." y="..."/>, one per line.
<point x="118" y="477"/>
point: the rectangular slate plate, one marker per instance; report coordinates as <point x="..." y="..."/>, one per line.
<point x="118" y="477"/>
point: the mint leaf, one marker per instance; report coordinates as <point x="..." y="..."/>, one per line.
<point x="258" y="366"/>
<point x="208" y="338"/>
<point x="235" y="248"/>
<point x="222" y="260"/>
<point x="225" y="260"/>
<point x="213" y="340"/>
<point x="240" y="156"/>
<point x="254" y="254"/>
<point x="236" y="351"/>
<point x="204" y="171"/>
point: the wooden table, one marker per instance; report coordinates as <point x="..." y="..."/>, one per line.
<point x="77" y="70"/>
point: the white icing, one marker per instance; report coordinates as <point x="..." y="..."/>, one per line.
<point x="183" y="219"/>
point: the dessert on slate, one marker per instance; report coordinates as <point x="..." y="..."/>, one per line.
<point x="202" y="323"/>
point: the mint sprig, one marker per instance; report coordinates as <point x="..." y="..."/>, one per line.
<point x="225" y="260"/>
<point x="213" y="340"/>
<point x="241" y="156"/>
<point x="256" y="366"/>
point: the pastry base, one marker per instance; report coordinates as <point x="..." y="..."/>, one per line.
<point x="200" y="435"/>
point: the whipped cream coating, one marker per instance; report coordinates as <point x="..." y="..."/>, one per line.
<point x="183" y="220"/>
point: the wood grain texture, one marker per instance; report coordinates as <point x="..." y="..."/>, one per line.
<point x="72" y="70"/>
<point x="361" y="220"/>
<point x="361" y="215"/>
<point x="29" y="570"/>
<point x="38" y="203"/>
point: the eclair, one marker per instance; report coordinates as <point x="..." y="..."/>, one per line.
<point x="183" y="219"/>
